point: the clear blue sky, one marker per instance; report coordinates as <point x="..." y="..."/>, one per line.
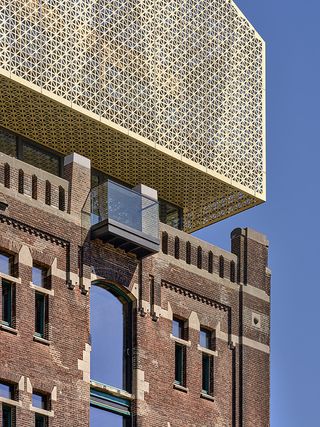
<point x="290" y="218"/>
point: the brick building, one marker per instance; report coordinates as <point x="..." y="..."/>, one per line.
<point x="116" y="142"/>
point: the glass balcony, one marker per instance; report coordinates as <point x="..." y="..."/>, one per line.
<point x="125" y="218"/>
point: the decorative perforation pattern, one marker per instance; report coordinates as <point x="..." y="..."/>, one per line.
<point x="187" y="75"/>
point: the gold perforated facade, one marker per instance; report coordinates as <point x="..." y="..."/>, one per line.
<point x="169" y="93"/>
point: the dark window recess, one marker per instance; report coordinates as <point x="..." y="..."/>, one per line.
<point x="232" y="271"/>
<point x="180" y="363"/>
<point x="8" y="143"/>
<point x="207" y="374"/>
<point x="48" y="193"/>
<point x="21" y="181"/>
<point x="62" y="199"/>
<point x="210" y="262"/>
<point x="41" y="315"/>
<point x="7" y="416"/>
<point x="41" y="420"/>
<point x="34" y="187"/>
<point x="37" y="156"/>
<point x="30" y="152"/>
<point x="8" y="299"/>
<point x="177" y="247"/>
<point x="221" y="266"/>
<point x="7" y="175"/>
<point x="199" y="257"/>
<point x="170" y="214"/>
<point x="188" y="253"/>
<point x="165" y="242"/>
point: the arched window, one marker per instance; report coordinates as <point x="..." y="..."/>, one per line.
<point x="110" y="362"/>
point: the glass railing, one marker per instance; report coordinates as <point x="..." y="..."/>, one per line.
<point x="114" y="202"/>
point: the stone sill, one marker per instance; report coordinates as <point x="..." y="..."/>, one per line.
<point x="207" y="396"/>
<point x="180" y="341"/>
<point x="41" y="340"/>
<point x="8" y="329"/>
<point x="207" y="351"/>
<point x="10" y="278"/>
<point x="40" y="289"/>
<point x="180" y="388"/>
<point x="42" y="411"/>
<point x="112" y="390"/>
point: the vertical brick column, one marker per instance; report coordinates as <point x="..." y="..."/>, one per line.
<point x="251" y="248"/>
<point x="77" y="171"/>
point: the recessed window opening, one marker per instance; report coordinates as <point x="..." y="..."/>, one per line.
<point x="110" y="317"/>
<point x="6" y="263"/>
<point x="8" y="303"/>
<point x="111" y="342"/>
<point x="30" y="152"/>
<point x="39" y="276"/>
<point x="41" y="401"/>
<point x="41" y="315"/>
<point x="207" y="374"/>
<point x="6" y="390"/>
<point x="205" y="338"/>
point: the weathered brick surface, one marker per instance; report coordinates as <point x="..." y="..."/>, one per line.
<point x="222" y="303"/>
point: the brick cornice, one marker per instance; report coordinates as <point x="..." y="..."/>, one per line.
<point x="194" y="295"/>
<point x="33" y="230"/>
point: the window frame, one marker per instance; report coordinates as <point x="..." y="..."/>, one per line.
<point x="11" y="303"/>
<point x="21" y="140"/>
<point x="180" y="357"/>
<point x="207" y="387"/>
<point x="10" y="258"/>
<point x="44" y="319"/>
<point x="100" y="389"/>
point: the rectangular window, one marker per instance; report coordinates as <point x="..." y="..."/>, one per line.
<point x="178" y="330"/>
<point x="6" y="263"/>
<point x="7" y="415"/>
<point x="8" y="298"/>
<point x="41" y="315"/>
<point x="41" y="158"/>
<point x="8" y="143"/>
<point x="180" y="363"/>
<point x="6" y="390"/>
<point x="207" y="374"/>
<point x="40" y="401"/>
<point x="205" y="338"/>
<point x="39" y="276"/>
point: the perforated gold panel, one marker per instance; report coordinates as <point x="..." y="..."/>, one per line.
<point x="169" y="93"/>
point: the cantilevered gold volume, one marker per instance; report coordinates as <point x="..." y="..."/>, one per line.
<point x="169" y="93"/>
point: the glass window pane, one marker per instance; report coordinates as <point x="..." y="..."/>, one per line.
<point x="206" y="373"/>
<point x="38" y="276"/>
<point x="102" y="418"/>
<point x="205" y="338"/>
<point x="6" y="390"/>
<point x="177" y="328"/>
<point x="179" y="364"/>
<point x="39" y="400"/>
<point x="7" y="415"/>
<point x="107" y="317"/>
<point x="8" y="143"/>
<point x="40" y="158"/>
<point x="40" y="420"/>
<point x="40" y="312"/>
<point x="7" y="303"/>
<point x="5" y="264"/>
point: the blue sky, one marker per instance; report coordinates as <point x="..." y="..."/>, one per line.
<point x="290" y="217"/>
